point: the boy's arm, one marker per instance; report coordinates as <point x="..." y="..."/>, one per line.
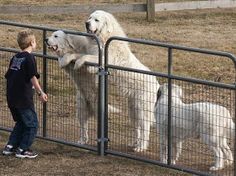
<point x="43" y="96"/>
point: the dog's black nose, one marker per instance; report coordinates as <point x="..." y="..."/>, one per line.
<point x="87" y="24"/>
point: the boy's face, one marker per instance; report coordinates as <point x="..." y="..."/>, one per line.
<point x="33" y="43"/>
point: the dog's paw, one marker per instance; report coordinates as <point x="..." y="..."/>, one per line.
<point x="138" y="149"/>
<point x="62" y="62"/>
<point x="82" y="141"/>
<point x="229" y="162"/>
<point x="214" y="168"/>
<point x="78" y="64"/>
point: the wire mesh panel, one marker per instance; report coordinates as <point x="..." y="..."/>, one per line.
<point x="5" y="121"/>
<point x="202" y="127"/>
<point x="72" y="106"/>
<point x="194" y="125"/>
<point x="70" y="115"/>
<point x="64" y="108"/>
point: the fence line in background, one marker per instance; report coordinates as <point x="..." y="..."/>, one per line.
<point x="149" y="7"/>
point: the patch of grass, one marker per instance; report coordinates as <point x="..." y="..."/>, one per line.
<point x="57" y="159"/>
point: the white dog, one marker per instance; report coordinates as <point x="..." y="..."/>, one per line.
<point x="69" y="48"/>
<point x="138" y="88"/>
<point x="210" y="122"/>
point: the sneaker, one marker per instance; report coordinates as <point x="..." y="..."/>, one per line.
<point x="20" y="153"/>
<point x="8" y="150"/>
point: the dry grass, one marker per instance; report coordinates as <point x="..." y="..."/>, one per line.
<point x="60" y="160"/>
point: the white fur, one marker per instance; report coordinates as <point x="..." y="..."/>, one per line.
<point x="138" y="88"/>
<point x="210" y="122"/>
<point x="71" y="49"/>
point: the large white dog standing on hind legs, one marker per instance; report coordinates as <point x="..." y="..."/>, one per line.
<point x="211" y="123"/>
<point x="140" y="91"/>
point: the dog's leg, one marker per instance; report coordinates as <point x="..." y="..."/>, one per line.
<point x="227" y="152"/>
<point x="86" y="58"/>
<point x="145" y="117"/>
<point x="214" y="144"/>
<point x="163" y="144"/>
<point x="146" y="130"/>
<point x="139" y="146"/>
<point x="177" y="152"/>
<point x="82" y="115"/>
<point x="66" y="59"/>
<point x="133" y="124"/>
<point x="219" y="161"/>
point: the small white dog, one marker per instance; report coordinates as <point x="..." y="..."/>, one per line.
<point x="210" y="122"/>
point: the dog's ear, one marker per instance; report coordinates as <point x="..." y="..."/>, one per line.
<point x="70" y="42"/>
<point x="177" y="90"/>
<point x="109" y="23"/>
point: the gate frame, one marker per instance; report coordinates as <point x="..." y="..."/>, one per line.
<point x="170" y="77"/>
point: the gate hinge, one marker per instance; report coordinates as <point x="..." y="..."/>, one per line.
<point x="102" y="140"/>
<point x="102" y="72"/>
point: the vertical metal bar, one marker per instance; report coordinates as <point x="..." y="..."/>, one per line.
<point x="150" y="10"/>
<point x="101" y="104"/>
<point x="44" y="84"/>
<point x="106" y="95"/>
<point x="169" y="105"/>
<point x="106" y="100"/>
<point x="234" y="118"/>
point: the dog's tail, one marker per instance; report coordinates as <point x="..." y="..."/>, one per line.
<point x="112" y="109"/>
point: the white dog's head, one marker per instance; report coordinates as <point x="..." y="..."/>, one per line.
<point x="59" y="42"/>
<point x="104" y="25"/>
<point x="176" y="90"/>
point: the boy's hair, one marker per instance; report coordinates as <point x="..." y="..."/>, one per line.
<point x="24" y="38"/>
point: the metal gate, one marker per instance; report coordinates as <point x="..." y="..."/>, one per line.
<point x="196" y="156"/>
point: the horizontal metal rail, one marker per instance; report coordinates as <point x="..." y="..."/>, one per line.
<point x="173" y="46"/>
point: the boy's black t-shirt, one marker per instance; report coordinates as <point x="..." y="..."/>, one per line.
<point x="19" y="87"/>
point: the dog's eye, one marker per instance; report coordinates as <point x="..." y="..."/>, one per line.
<point x="55" y="36"/>
<point x="96" y="20"/>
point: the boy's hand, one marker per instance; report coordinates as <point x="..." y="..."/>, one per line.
<point x="43" y="97"/>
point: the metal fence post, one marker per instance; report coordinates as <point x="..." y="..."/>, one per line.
<point x="150" y="10"/>
<point x="169" y="105"/>
<point x="44" y="84"/>
<point x="102" y="122"/>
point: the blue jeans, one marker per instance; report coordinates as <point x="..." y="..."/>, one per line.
<point x="25" y="128"/>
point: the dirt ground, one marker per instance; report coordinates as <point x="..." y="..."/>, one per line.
<point x="211" y="29"/>
<point x="60" y="160"/>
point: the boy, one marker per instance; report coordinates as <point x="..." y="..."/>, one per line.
<point x="21" y="78"/>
